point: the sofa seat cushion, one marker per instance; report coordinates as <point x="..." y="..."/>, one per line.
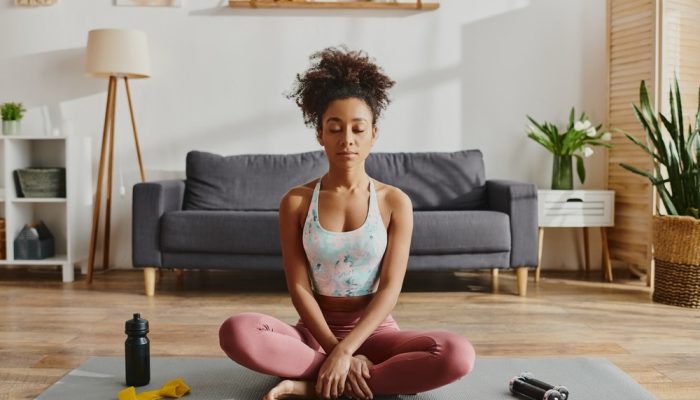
<point x="229" y="232"/>
<point x="257" y="232"/>
<point x="460" y="232"/>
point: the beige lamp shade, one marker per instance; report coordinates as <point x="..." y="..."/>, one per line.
<point x="117" y="52"/>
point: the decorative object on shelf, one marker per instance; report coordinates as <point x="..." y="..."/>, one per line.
<point x="33" y="3"/>
<point x="150" y="3"/>
<point x="575" y="141"/>
<point x="34" y="242"/>
<point x="12" y="114"/>
<point x="347" y="4"/>
<point x="41" y="182"/>
<point x="113" y="54"/>
<point x="3" y="252"/>
<point x="675" y="155"/>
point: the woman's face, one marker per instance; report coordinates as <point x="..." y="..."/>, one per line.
<point x="347" y="133"/>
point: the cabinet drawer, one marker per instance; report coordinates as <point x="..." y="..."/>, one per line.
<point x="576" y="208"/>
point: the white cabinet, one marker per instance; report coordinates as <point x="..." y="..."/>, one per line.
<point x="67" y="218"/>
<point x="577" y="209"/>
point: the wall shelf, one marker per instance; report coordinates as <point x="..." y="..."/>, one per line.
<point x="358" y="5"/>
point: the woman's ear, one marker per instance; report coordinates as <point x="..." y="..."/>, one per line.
<point x="319" y="137"/>
<point x="374" y="134"/>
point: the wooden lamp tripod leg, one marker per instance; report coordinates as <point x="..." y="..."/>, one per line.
<point x="109" y="117"/>
<point x="108" y="199"/>
<point x="133" y="125"/>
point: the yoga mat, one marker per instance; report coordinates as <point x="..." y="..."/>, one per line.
<point x="222" y="379"/>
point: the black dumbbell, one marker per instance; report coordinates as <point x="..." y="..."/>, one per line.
<point x="532" y="392"/>
<point x="527" y="377"/>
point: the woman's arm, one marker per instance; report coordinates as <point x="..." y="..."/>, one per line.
<point x="392" y="274"/>
<point x="295" y="268"/>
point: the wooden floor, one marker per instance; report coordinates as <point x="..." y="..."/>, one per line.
<point x="48" y="328"/>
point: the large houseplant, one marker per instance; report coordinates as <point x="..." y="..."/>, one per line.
<point x="675" y="154"/>
<point x="573" y="141"/>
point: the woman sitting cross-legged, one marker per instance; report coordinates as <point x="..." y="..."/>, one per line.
<point x="345" y="243"/>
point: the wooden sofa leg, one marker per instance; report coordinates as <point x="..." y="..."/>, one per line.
<point x="521" y="273"/>
<point x="494" y="280"/>
<point x="149" y="277"/>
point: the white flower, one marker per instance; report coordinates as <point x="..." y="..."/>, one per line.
<point x="582" y="125"/>
<point x="591" y="132"/>
<point x="587" y="151"/>
<point x="606" y="137"/>
<point x="531" y="128"/>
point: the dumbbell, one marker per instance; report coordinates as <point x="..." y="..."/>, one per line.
<point x="531" y="392"/>
<point x="529" y="378"/>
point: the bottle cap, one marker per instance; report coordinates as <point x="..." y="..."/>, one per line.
<point x="137" y="325"/>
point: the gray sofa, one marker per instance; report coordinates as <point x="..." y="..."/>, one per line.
<point x="225" y="214"/>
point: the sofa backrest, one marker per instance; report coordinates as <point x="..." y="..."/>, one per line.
<point x="433" y="181"/>
<point x="248" y="181"/>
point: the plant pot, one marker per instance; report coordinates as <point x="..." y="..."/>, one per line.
<point x="677" y="260"/>
<point x="562" y="173"/>
<point x="10" y="127"/>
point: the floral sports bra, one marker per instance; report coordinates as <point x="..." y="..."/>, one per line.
<point x="344" y="264"/>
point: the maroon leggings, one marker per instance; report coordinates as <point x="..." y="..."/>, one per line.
<point x="405" y="362"/>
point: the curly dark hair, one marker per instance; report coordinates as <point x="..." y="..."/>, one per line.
<point x="339" y="73"/>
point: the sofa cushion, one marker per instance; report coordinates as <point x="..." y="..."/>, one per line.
<point x="247" y="182"/>
<point x="433" y="180"/>
<point x="454" y="232"/>
<point x="228" y="232"/>
<point x="256" y="232"/>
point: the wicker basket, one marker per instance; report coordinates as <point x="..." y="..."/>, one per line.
<point x="677" y="260"/>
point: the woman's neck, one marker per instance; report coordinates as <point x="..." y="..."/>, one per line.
<point x="349" y="180"/>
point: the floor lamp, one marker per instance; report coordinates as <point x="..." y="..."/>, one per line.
<point x="113" y="54"/>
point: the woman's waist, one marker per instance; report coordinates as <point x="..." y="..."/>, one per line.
<point x="343" y="304"/>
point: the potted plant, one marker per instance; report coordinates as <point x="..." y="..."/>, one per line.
<point x="675" y="154"/>
<point x="11" y="115"/>
<point x="575" y="141"/>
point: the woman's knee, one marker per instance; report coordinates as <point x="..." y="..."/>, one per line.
<point x="235" y="331"/>
<point x="459" y="355"/>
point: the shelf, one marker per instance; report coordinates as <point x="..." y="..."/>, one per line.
<point x="55" y="260"/>
<point x="32" y="137"/>
<point x="358" y="5"/>
<point x="39" y="200"/>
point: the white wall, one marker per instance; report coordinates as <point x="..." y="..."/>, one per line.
<point x="467" y="74"/>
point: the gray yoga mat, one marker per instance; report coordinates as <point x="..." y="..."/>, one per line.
<point x="222" y="379"/>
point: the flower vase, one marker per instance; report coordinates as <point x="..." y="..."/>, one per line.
<point x="562" y="173"/>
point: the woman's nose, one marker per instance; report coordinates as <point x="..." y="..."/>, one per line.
<point x="348" y="137"/>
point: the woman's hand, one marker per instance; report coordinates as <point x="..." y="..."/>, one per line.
<point x="330" y="383"/>
<point x="356" y="384"/>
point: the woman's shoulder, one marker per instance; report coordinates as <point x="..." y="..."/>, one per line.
<point x="393" y="197"/>
<point x="298" y="197"/>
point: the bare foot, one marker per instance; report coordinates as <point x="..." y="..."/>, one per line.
<point x="291" y="389"/>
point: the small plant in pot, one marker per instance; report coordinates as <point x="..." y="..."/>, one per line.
<point x="576" y="140"/>
<point x="675" y="155"/>
<point x="12" y="114"/>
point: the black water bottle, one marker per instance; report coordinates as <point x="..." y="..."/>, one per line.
<point x="137" y="352"/>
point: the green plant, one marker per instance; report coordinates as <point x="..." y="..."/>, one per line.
<point x="575" y="141"/>
<point x="12" y="111"/>
<point x="676" y="156"/>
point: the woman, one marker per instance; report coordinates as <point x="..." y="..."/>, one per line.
<point x="345" y="243"/>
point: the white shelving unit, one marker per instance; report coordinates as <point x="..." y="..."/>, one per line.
<point x="68" y="218"/>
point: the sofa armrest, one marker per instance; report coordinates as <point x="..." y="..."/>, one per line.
<point x="150" y="201"/>
<point x="519" y="201"/>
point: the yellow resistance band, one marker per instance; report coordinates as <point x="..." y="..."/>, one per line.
<point x="173" y="389"/>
